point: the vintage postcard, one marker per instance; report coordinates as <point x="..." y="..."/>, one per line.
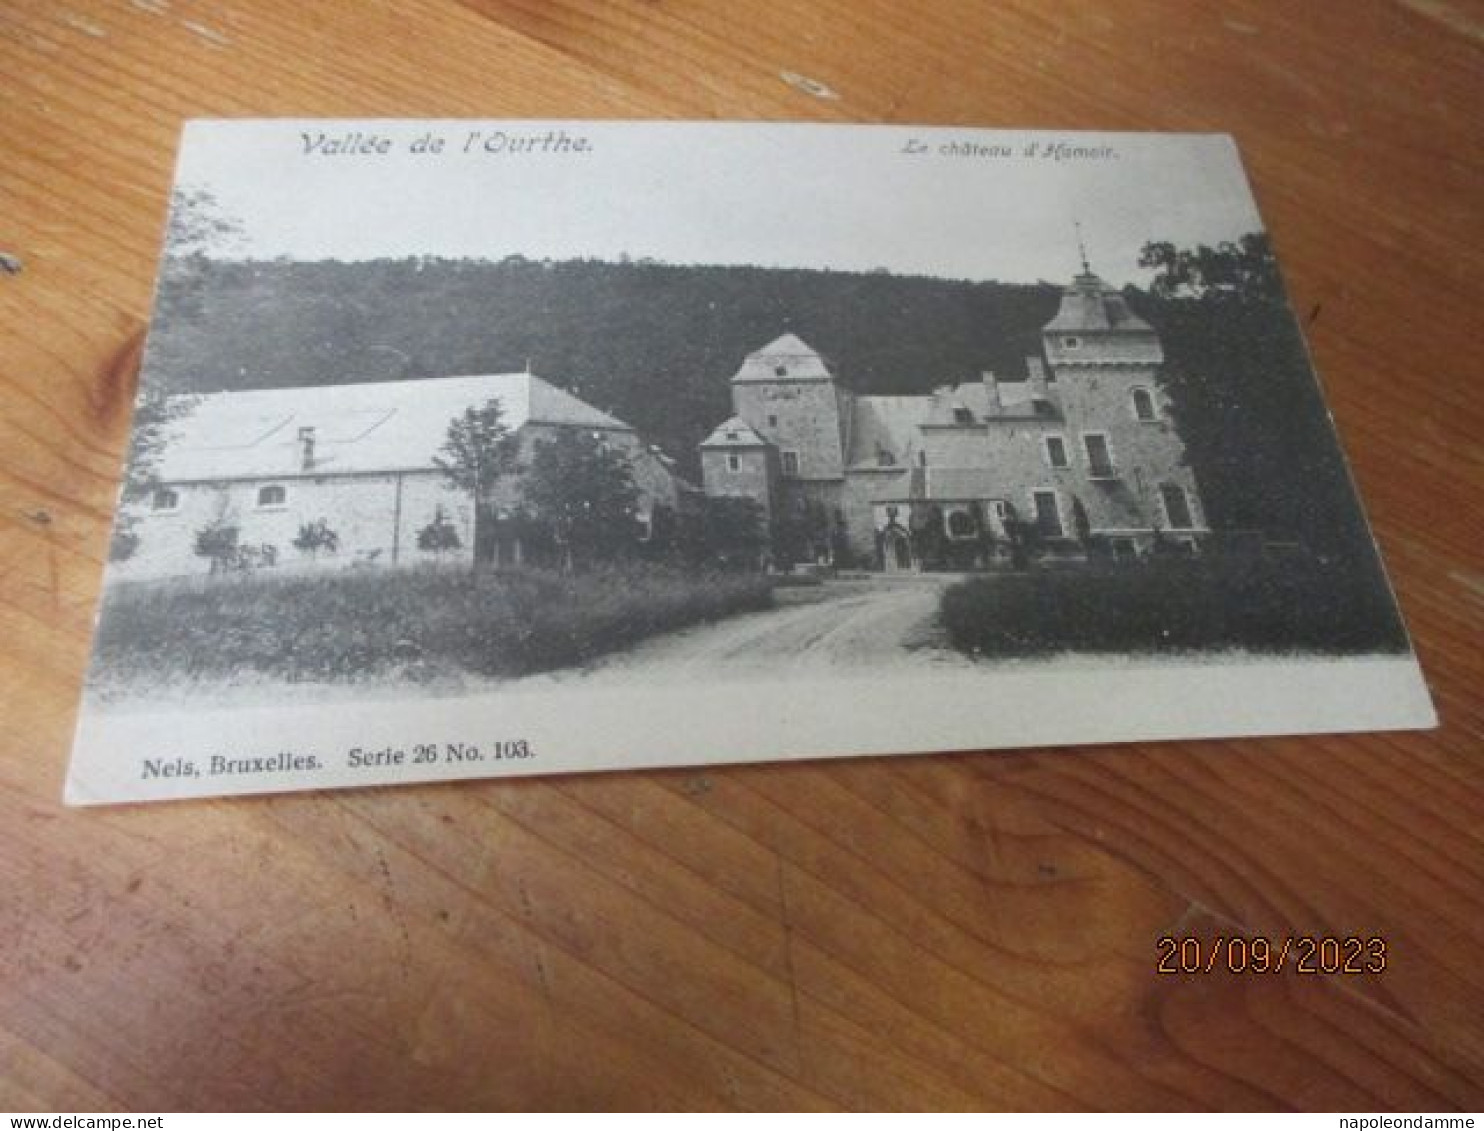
<point x="477" y="448"/>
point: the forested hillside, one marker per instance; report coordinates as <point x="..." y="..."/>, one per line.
<point x="652" y="343"/>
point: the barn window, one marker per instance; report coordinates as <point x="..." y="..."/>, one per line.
<point x="1177" y="506"/>
<point x="272" y="495"/>
<point x="1056" y="451"/>
<point x="164" y="499"/>
<point x="1048" y="515"/>
<point x="790" y="464"/>
<point x="1144" y="405"/>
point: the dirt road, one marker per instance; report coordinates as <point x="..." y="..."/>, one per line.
<point x="873" y="625"/>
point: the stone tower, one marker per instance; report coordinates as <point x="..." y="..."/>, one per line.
<point x="1105" y="369"/>
<point x="787" y="394"/>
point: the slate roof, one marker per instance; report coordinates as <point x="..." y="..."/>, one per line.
<point x="734" y="433"/>
<point x="358" y="428"/>
<point x="787" y="357"/>
<point x="1090" y="305"/>
<point x="957" y="483"/>
<point x="885" y="425"/>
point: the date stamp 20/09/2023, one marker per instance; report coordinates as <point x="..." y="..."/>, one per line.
<point x="1299" y="954"/>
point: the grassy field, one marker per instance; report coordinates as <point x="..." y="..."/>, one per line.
<point x="1175" y="606"/>
<point x="406" y="624"/>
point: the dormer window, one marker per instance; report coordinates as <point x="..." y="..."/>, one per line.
<point x="1071" y="342"/>
<point x="1144" y="408"/>
<point x="164" y="500"/>
<point x="272" y="496"/>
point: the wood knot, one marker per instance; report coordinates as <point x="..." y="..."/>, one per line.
<point x="112" y="395"/>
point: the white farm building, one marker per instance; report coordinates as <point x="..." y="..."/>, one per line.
<point x="358" y="458"/>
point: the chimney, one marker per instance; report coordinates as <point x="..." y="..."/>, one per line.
<point x="1035" y="370"/>
<point x="306" y="447"/>
<point x="992" y="394"/>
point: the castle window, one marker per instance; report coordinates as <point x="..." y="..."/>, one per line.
<point x="961" y="525"/>
<point x="1144" y="405"/>
<point x="733" y="463"/>
<point x="1177" y="506"/>
<point x="1048" y="514"/>
<point x="1056" y="451"/>
<point x="1071" y="342"/>
<point x="1099" y="457"/>
<point x="164" y="500"/>
<point x="272" y="496"/>
<point x="790" y="464"/>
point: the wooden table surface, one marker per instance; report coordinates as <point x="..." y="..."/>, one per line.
<point x="966" y="931"/>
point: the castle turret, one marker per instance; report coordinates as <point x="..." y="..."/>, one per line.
<point x="1094" y="326"/>
<point x="1122" y="447"/>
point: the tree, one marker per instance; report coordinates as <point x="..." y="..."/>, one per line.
<point x="1251" y="414"/>
<point x="583" y="491"/>
<point x="477" y="451"/>
<point x="1246" y="271"/>
<point x="196" y="230"/>
<point x="726" y="532"/>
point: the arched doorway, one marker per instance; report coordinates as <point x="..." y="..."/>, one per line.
<point x="896" y="550"/>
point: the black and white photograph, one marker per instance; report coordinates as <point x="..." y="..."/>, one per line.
<point x="466" y="449"/>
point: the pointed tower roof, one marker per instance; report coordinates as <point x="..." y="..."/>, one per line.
<point x="734" y="433"/>
<point x="1091" y="305"/>
<point x="785" y="358"/>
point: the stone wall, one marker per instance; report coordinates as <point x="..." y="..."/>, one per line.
<point x="808" y="415"/>
<point x="373" y="526"/>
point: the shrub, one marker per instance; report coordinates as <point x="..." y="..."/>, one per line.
<point x="1175" y="605"/>
<point x="316" y="536"/>
<point x="124" y="542"/>
<point x="439" y="536"/>
<point x="351" y="625"/>
<point x="217" y="542"/>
